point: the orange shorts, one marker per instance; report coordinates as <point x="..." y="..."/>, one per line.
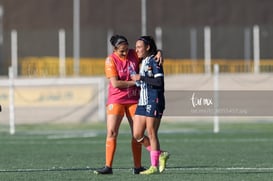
<point x="121" y="109"/>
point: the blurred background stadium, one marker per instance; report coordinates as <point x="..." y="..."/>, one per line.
<point x="69" y="39"/>
<point x="179" y="25"/>
<point x="53" y="88"/>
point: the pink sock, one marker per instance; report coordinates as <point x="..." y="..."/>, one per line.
<point x="154" y="157"/>
<point x="148" y="148"/>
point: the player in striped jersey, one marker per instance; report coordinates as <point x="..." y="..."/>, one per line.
<point x="122" y="100"/>
<point x="151" y="103"/>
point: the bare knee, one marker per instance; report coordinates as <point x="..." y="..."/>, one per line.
<point x="138" y="137"/>
<point x="112" y="134"/>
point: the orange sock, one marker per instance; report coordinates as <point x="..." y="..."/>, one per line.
<point x="110" y="151"/>
<point x="137" y="150"/>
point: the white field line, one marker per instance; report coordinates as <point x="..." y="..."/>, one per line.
<point x="73" y="135"/>
<point x="61" y="139"/>
<point x="224" y="169"/>
<point x="183" y="169"/>
<point x="91" y="133"/>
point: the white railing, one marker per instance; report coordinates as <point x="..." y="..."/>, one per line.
<point x="57" y="99"/>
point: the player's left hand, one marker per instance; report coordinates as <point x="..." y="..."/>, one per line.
<point x="159" y="57"/>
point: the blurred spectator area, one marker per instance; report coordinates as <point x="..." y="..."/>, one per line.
<point x="49" y="66"/>
<point x="182" y="23"/>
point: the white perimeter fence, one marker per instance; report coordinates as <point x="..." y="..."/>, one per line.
<point x="51" y="100"/>
<point x="82" y="99"/>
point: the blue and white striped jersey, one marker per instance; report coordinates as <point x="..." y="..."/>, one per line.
<point x="149" y="68"/>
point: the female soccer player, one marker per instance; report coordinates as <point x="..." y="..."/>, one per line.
<point x="151" y="103"/>
<point x="123" y="95"/>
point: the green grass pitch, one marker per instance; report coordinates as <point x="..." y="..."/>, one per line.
<point x="241" y="151"/>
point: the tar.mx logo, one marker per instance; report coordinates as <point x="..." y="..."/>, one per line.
<point x="200" y="101"/>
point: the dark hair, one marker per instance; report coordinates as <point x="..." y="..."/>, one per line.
<point x="148" y="40"/>
<point x="118" y="39"/>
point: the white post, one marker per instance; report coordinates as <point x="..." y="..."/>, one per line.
<point x="216" y="99"/>
<point x="76" y="36"/>
<point x="109" y="46"/>
<point x="101" y="99"/>
<point x="14" y="52"/>
<point x="256" y="48"/>
<point x="62" y="67"/>
<point x="1" y="34"/>
<point x="143" y="18"/>
<point x="193" y="43"/>
<point x="247" y="48"/>
<point x="11" y="102"/>
<point x="1" y="25"/>
<point x="158" y="37"/>
<point x="207" y="49"/>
